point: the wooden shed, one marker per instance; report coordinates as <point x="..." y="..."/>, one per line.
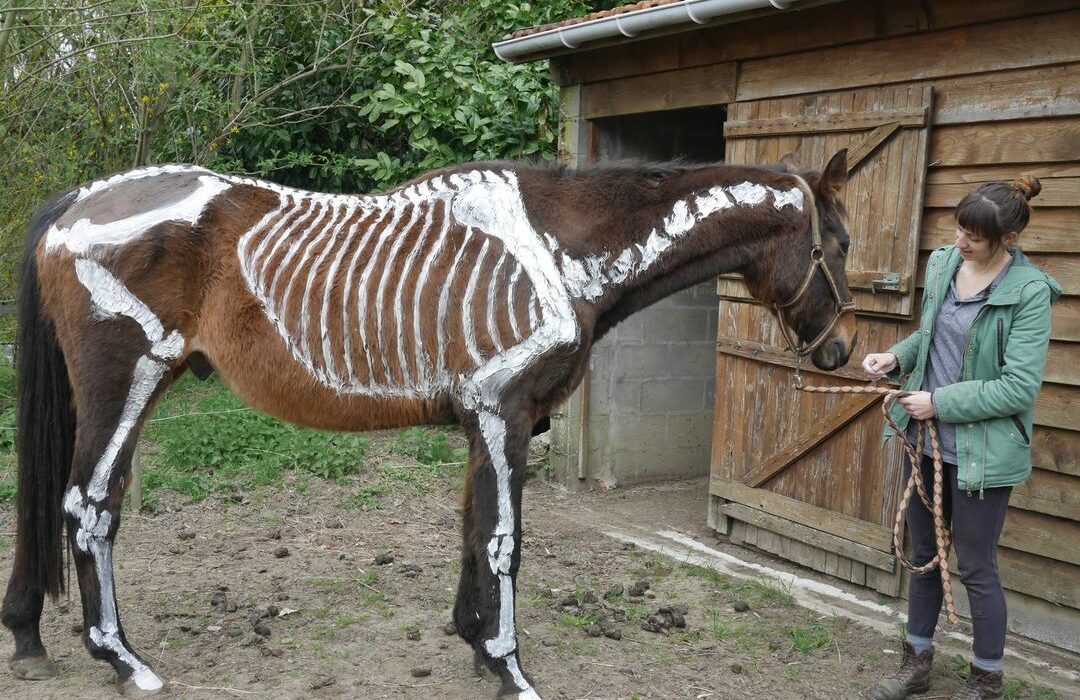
<point x="931" y="98"/>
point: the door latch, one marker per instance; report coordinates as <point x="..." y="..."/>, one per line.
<point x="886" y="283"/>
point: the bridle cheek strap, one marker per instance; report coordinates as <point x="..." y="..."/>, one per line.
<point x="817" y="261"/>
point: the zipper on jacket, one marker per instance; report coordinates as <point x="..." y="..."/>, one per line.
<point x="1001" y="342"/>
<point x="1020" y="426"/>
<point x="963" y="368"/>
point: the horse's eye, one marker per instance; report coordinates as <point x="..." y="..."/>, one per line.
<point x="844" y="248"/>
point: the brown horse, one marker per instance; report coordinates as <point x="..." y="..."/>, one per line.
<point x="470" y="295"/>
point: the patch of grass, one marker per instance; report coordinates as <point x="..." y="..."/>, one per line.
<point x="368" y="497"/>
<point x="345" y="619"/>
<point x="1027" y="689"/>
<point x="756" y="593"/>
<point x="715" y="577"/>
<point x="203" y="440"/>
<point x="428" y="446"/>
<point x="636" y="614"/>
<point x="577" y="620"/>
<point x="806" y="638"/>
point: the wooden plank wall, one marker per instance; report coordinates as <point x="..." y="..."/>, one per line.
<point x="1006" y="80"/>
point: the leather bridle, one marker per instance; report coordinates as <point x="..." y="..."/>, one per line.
<point x="817" y="261"/>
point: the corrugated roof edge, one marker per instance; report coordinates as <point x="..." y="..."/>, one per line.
<point x="631" y="22"/>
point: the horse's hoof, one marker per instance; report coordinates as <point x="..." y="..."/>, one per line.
<point x="33" y="668"/>
<point x="141" y="685"/>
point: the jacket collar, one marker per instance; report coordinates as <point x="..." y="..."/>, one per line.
<point x="1021" y="272"/>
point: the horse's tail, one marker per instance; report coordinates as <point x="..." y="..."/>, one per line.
<point x="45" y="438"/>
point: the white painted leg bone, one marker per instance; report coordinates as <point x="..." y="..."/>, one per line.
<point x="500" y="550"/>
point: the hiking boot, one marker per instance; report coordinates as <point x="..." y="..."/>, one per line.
<point x="913" y="677"/>
<point x="982" y="685"/>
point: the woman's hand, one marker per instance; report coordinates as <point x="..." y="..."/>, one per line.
<point x="878" y="364"/>
<point x="919" y="405"/>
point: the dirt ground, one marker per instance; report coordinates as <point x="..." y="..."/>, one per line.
<point x="279" y="595"/>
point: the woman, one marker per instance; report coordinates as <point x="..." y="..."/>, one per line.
<point x="975" y="365"/>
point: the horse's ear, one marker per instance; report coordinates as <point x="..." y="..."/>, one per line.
<point x="790" y="162"/>
<point x="835" y="174"/>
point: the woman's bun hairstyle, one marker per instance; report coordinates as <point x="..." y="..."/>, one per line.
<point x="994" y="209"/>
<point x="1027" y="185"/>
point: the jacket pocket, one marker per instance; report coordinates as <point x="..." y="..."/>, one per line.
<point x="1001" y="342"/>
<point x="1019" y="424"/>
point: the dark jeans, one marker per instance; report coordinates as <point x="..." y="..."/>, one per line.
<point x="976" y="526"/>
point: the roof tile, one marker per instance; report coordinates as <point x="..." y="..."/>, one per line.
<point x="643" y="5"/>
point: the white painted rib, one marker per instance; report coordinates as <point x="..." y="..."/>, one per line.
<point x="303" y="208"/>
<point x="324" y="315"/>
<point x="467" y="302"/>
<point x="347" y="292"/>
<point x="245" y="240"/>
<point x="398" y="302"/>
<point x="349" y="205"/>
<point x="425" y="378"/>
<point x="320" y="230"/>
<point x="362" y="288"/>
<point x="309" y="230"/>
<point x="513" y="296"/>
<point x="492" y="322"/>
<point x="380" y="294"/>
<point x="444" y="298"/>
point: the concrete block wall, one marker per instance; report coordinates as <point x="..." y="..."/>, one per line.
<point x="652" y="386"/>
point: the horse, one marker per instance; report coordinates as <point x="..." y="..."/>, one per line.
<point x="470" y="295"/>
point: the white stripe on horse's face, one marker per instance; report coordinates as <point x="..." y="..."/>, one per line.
<point x="83" y="235"/>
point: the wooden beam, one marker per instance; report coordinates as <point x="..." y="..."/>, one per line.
<point x="1020" y="142"/>
<point x="831" y="522"/>
<point x="1054" y="449"/>
<point x="1026" y="93"/>
<point x="858" y="152"/>
<point x="1065" y="320"/>
<point x="1056" y="192"/>
<point x="917" y="57"/>
<point x="694" y="87"/>
<point x="1047" y="536"/>
<point x="1055" y="581"/>
<point x="787" y="126"/>
<point x="808" y="535"/>
<point x="1049" y="493"/>
<point x="863" y="280"/>
<point x="1051" y="230"/>
<point x="852" y="406"/>
<point x="780" y="357"/>
<point x="1063" y="364"/>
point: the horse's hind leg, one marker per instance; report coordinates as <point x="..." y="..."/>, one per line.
<point x="114" y="385"/>
<point x="484" y="611"/>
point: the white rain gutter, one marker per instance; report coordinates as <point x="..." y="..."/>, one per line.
<point x="628" y="25"/>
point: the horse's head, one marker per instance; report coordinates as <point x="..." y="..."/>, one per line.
<point x="807" y="284"/>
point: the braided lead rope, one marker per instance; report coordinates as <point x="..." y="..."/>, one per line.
<point x="914" y="484"/>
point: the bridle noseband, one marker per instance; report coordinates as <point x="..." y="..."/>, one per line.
<point x="817" y="261"/>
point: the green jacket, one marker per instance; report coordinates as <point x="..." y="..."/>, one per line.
<point x="992" y="403"/>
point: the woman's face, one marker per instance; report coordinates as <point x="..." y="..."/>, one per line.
<point x="979" y="249"/>
<point x="972" y="247"/>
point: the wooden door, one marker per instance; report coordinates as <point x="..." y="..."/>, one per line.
<point x="807" y="476"/>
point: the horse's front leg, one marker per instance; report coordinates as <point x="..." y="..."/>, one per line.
<point x="484" y="611"/>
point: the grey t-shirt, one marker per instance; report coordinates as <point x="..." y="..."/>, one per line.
<point x="951" y="329"/>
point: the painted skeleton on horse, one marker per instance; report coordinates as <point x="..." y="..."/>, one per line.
<point x="471" y="295"/>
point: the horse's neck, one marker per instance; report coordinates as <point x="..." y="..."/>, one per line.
<point x="676" y="252"/>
